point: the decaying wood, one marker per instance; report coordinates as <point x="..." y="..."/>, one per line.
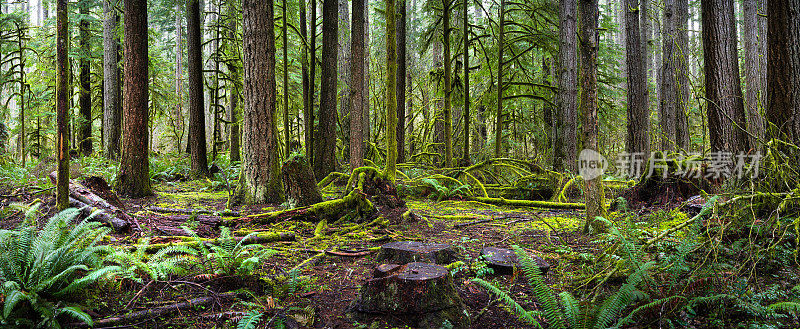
<point x="299" y="182"/>
<point x="422" y="293"/>
<point x="528" y="203"/>
<point x="81" y="196"/>
<point x="504" y="261"/>
<point x="193" y="211"/>
<point x="403" y="252"/>
<point x="100" y="215"/>
<point x="159" y="311"/>
<point x="356" y="205"/>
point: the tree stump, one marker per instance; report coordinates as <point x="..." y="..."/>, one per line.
<point x="504" y="261"/>
<point x="404" y="252"/>
<point x="423" y="294"/>
<point x="299" y="181"/>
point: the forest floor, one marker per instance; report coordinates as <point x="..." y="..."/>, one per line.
<point x="328" y="287"/>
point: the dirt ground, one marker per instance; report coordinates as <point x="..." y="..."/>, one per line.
<point x="328" y="286"/>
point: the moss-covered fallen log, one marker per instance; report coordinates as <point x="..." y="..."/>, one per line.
<point x="355" y="205"/>
<point x="528" y="203"/>
<point x="194" y="242"/>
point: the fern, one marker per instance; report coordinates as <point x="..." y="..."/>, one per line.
<point x="543" y="293"/>
<point x="517" y="309"/>
<point x="250" y="320"/>
<point x="42" y="265"/>
<point x="785" y="307"/>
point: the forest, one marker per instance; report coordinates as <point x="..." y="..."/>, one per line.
<point x="399" y="164"/>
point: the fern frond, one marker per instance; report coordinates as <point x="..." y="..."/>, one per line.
<point x="77" y="314"/>
<point x="545" y="296"/>
<point x="250" y="320"/>
<point x="571" y="309"/>
<point x="515" y="307"/>
<point x="792" y="308"/>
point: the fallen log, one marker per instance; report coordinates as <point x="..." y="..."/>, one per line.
<point x="158" y="311"/>
<point x="194" y="242"/>
<point x="527" y="203"/>
<point x="355" y="204"/>
<point x="100" y="215"/>
<point x="193" y="211"/>
<point x="82" y="196"/>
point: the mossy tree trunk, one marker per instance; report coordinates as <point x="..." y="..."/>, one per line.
<point x="498" y="126"/>
<point x="133" y="178"/>
<point x="465" y="155"/>
<point x="565" y="130"/>
<point x="62" y="137"/>
<point x="260" y="181"/>
<point x="85" y="98"/>
<point x="400" y="84"/>
<point x="299" y="182"/>
<point x="112" y="109"/>
<point x="391" y="97"/>
<point x="448" y="88"/>
<point x="234" y="134"/>
<point x="325" y="141"/>
<point x="357" y="90"/>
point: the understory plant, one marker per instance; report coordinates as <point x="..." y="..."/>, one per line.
<point x="231" y="255"/>
<point x="41" y="268"/>
<point x="566" y="311"/>
<point x="167" y="261"/>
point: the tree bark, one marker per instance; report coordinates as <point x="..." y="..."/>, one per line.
<point x="308" y="126"/>
<point x="753" y="76"/>
<point x="391" y="96"/>
<point x="133" y="178"/>
<point x="197" y="125"/>
<point x="299" y="182"/>
<point x="287" y="128"/>
<point x="178" y="116"/>
<point x="62" y="106"/>
<point x="590" y="40"/>
<point x="782" y="63"/>
<point x="668" y="108"/>
<point x="448" y="103"/>
<point x="345" y="80"/>
<point x="680" y="57"/>
<point x="309" y="119"/>
<point x="325" y="141"/>
<point x="726" y="119"/>
<point x="498" y="126"/>
<point x="85" y="98"/>
<point x="401" y="80"/>
<point x="465" y="24"/>
<point x="261" y="181"/>
<point x="638" y="136"/>
<point x="357" y="87"/>
<point x="565" y="131"/>
<point x="234" y="134"/>
<point x="112" y="107"/>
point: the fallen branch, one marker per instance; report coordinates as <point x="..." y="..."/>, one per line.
<point x="158" y="311"/>
<point x="460" y="225"/>
<point x="193" y="242"/>
<point x="528" y="203"/>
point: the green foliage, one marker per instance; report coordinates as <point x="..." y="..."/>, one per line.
<point x="229" y="256"/>
<point x="136" y="265"/>
<point x="41" y="267"/>
<point x="442" y="192"/>
<point x="250" y="321"/>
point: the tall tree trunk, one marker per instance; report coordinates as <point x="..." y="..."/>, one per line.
<point x="367" y="126"/>
<point x="565" y="131"/>
<point x="754" y="77"/>
<point x="344" y="75"/>
<point x="178" y="123"/>
<point x="638" y="137"/>
<point x="645" y="41"/>
<point x="668" y="108"/>
<point x="133" y="178"/>
<point x="62" y="138"/>
<point x="234" y="134"/>
<point x="308" y="125"/>
<point x="783" y="49"/>
<point x="85" y="99"/>
<point x="498" y="126"/>
<point x="197" y="125"/>
<point x="357" y="87"/>
<point x="287" y="128"/>
<point x="680" y="55"/>
<point x="261" y="176"/>
<point x="448" y="103"/>
<point x="325" y="141"/>
<point x="112" y="108"/>
<point x="401" y="80"/>
<point x="465" y="25"/>
<point x="589" y="45"/>
<point x="726" y="119"/>
<point x="391" y="96"/>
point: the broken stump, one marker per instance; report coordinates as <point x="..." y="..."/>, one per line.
<point x="504" y="261"/>
<point x="422" y="293"/>
<point x="299" y="182"/>
<point x="404" y="252"/>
